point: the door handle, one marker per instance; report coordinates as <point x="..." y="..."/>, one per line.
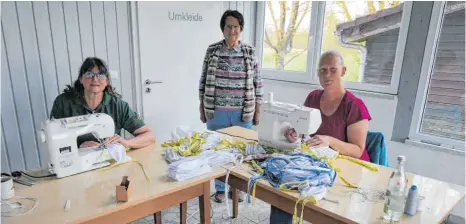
<point x="148" y="82"/>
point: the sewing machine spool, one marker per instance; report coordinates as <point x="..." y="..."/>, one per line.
<point x="8" y="190"/>
<point x="123" y="191"/>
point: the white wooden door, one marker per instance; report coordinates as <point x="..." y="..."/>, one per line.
<point x="172" y="46"/>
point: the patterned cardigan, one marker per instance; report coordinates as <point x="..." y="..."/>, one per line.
<point x="207" y="89"/>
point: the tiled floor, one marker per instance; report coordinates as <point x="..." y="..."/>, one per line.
<point x="248" y="214"/>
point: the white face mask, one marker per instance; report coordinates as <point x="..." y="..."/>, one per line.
<point x="118" y="152"/>
<point x="317" y="192"/>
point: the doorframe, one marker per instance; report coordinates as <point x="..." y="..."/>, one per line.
<point x="136" y="56"/>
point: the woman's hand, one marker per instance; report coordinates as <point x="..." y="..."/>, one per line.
<point x="319" y="141"/>
<point x="255" y="120"/>
<point x="291" y="135"/>
<point x="203" y="120"/>
<point x="88" y="144"/>
<point x="201" y="111"/>
<point x="117" y="138"/>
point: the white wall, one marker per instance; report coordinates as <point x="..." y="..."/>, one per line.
<point x="431" y="163"/>
<point x="43" y="46"/>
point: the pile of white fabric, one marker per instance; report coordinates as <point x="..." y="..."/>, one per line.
<point x="185" y="167"/>
<point x="188" y="167"/>
<point x="219" y="158"/>
<point x="118" y="152"/>
<point x="192" y="166"/>
<point x="188" y="158"/>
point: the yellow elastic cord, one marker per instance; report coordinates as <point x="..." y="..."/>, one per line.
<point x="311" y="199"/>
<point x="225" y="144"/>
<point x="347" y="182"/>
<point x="307" y="150"/>
<point x="295" y="213"/>
<point x="253" y="194"/>
<point x="283" y="187"/>
<point x="338" y="170"/>
<point x="360" y="162"/>
<point x="129" y="161"/>
<point x="304" y="200"/>
<point x="195" y="143"/>
<point x="255" y="166"/>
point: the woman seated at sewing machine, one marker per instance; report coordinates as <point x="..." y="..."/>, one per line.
<point x="93" y="93"/>
<point x="345" y="118"/>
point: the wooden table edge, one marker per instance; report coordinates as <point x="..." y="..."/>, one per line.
<point x="130" y="204"/>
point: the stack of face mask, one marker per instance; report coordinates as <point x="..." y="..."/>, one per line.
<point x="219" y="158"/>
<point x="188" y="167"/>
<point x="171" y="156"/>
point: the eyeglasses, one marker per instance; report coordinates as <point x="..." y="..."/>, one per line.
<point x="91" y="75"/>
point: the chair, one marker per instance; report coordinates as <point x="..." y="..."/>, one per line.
<point x="376" y="148"/>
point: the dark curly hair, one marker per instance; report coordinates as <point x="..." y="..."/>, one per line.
<point x="78" y="89"/>
<point x="235" y="14"/>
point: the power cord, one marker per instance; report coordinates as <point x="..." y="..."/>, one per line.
<point x="250" y="139"/>
<point x="15" y="204"/>
<point x="21" y="172"/>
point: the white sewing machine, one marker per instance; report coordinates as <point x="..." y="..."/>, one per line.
<point x="60" y="138"/>
<point x="277" y="117"/>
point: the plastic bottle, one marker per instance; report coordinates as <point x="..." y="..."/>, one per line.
<point x="412" y="201"/>
<point x="395" y="195"/>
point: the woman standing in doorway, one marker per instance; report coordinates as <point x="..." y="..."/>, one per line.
<point x="230" y="88"/>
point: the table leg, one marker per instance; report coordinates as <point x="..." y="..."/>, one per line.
<point x="183" y="212"/>
<point x="204" y="204"/>
<point x="234" y="198"/>
<point x="158" y="217"/>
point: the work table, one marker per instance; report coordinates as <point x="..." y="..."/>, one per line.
<point x="440" y="197"/>
<point x="92" y="194"/>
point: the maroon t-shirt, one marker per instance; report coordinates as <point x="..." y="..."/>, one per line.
<point x="350" y="111"/>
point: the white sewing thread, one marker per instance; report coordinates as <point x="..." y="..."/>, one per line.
<point x="226" y="181"/>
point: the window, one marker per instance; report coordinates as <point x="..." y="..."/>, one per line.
<point x="286" y="37"/>
<point x="366" y="33"/>
<point x="369" y="34"/>
<point x="439" y="111"/>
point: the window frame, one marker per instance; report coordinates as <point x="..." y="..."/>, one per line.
<point x="292" y="76"/>
<point x="315" y="42"/>
<point x="428" y="63"/>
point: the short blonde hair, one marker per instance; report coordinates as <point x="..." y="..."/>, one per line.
<point x="333" y="53"/>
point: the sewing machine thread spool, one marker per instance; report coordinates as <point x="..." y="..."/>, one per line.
<point x="8" y="190"/>
<point x="412" y="201"/>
